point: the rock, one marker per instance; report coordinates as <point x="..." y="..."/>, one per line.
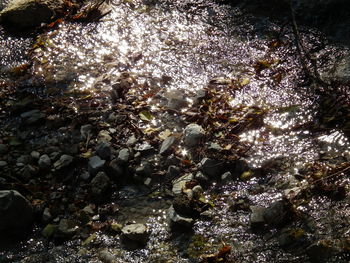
<point x="257" y="220"/>
<point x="64" y="162"/>
<point x="104" y="136"/>
<point x="277" y="214"/>
<point x="16" y="214"/>
<point x="167" y="144"/>
<point x="201" y="178"/>
<point x="85" y="175"/>
<point x="124" y="155"/>
<point x="32" y="117"/>
<point x="100" y="186"/>
<point x="66" y="228"/>
<point x="193" y="134"/>
<point x="104" y="150"/>
<point x="24" y="159"/>
<point x="186" y="206"/>
<point x="226" y="177"/>
<point x="144" y="170"/>
<point x="29" y="13"/>
<point x="49" y="230"/>
<point x="177" y="219"/>
<point x="197" y="190"/>
<point x="46" y="215"/>
<point x="3" y="163"/>
<point x="320" y="251"/>
<point x="106" y="257"/>
<point x="180" y="183"/>
<point x="175" y="99"/>
<point x="35" y="155"/>
<point x="131" y="141"/>
<point x="117" y="169"/>
<point x="212" y="168"/>
<point x="144" y="148"/>
<point x="44" y="161"/>
<point x="3" y="148"/>
<point x="291" y="237"/>
<point x="86" y="131"/>
<point x="215" y="147"/>
<point x="136" y="232"/>
<point x="95" y="164"/>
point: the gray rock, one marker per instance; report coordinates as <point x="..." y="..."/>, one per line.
<point x="131" y="141"/>
<point x="24" y="159"/>
<point x="124" y="155"/>
<point x="167" y="144"/>
<point x="29" y="13"/>
<point x="3" y="163"/>
<point x="144" y="148"/>
<point x="257" y="220"/>
<point x="95" y="164"/>
<point x="226" y="177"/>
<point x="85" y="175"/>
<point x="117" y="169"/>
<point x="193" y="134"/>
<point x="319" y="252"/>
<point x="180" y="183"/>
<point x="35" y="155"/>
<point x="173" y="172"/>
<point x="144" y="170"/>
<point x="46" y="215"/>
<point x="86" y="130"/>
<point x="197" y="190"/>
<point x="66" y="228"/>
<point x="211" y="167"/>
<point x="100" y="186"/>
<point x="215" y="147"/>
<point x="44" y="161"/>
<point x="3" y="148"/>
<point x="64" y="162"/>
<point x="104" y="136"/>
<point x="32" y="117"/>
<point x="200" y="177"/>
<point x="136" y="232"/>
<point x="107" y="257"/>
<point x="104" y="150"/>
<point x="276" y="214"/>
<point x="175" y="99"/>
<point x="16" y="213"/>
<point x="177" y="219"/>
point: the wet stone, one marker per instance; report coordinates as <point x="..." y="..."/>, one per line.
<point x="177" y="219"/>
<point x="104" y="136"/>
<point x="138" y="233"/>
<point x="66" y="228"/>
<point x="257" y="220"/>
<point x="145" y="169"/>
<point x="3" y="163"/>
<point x="276" y="214"/>
<point x="16" y="214"/>
<point x="106" y="257"/>
<point x="24" y="159"/>
<point x="86" y="130"/>
<point x="95" y="164"/>
<point x="180" y="183"/>
<point x="32" y="117"/>
<point x="104" y="150"/>
<point x="35" y="155"/>
<point x="3" y="148"/>
<point x="124" y="155"/>
<point x="200" y="177"/>
<point x="226" y="177"/>
<point x="167" y="144"/>
<point x="193" y="134"/>
<point x="64" y="162"/>
<point x="211" y="167"/>
<point x="100" y="186"/>
<point x="44" y="162"/>
<point x="131" y="141"/>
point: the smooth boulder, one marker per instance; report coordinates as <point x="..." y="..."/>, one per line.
<point x="16" y="214"/>
<point x="29" y="13"/>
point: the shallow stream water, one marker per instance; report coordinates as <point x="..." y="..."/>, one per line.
<point x="190" y="43"/>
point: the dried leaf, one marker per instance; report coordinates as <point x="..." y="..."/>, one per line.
<point x="146" y="115"/>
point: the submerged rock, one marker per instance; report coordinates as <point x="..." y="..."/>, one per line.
<point x="44" y="161"/>
<point x="32" y="117"/>
<point x="100" y="186"/>
<point x="95" y="164"/>
<point x="180" y="183"/>
<point x="135" y="235"/>
<point x="211" y="167"/>
<point x="64" y="162"/>
<point x="16" y="214"/>
<point x="177" y="219"/>
<point x="167" y="144"/>
<point x="29" y="13"/>
<point x="193" y="134"/>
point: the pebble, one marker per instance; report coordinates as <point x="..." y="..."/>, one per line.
<point x="136" y="232"/>
<point x="226" y="177"/>
<point x="180" y="183"/>
<point x="104" y="150"/>
<point x="32" y="117"/>
<point x="95" y="164"/>
<point x="64" y="161"/>
<point x="193" y="134"/>
<point x="211" y="167"/>
<point x="86" y="130"/>
<point x="177" y="219"/>
<point x="44" y="161"/>
<point x="167" y="144"/>
<point x="3" y="148"/>
<point x="124" y="155"/>
<point x="3" y="163"/>
<point x="100" y="186"/>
